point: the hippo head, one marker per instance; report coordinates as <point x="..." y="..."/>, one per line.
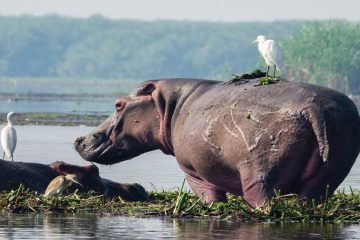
<point x="88" y="176"/>
<point x="134" y="128"/>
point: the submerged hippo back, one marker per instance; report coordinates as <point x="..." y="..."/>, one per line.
<point x="34" y="176"/>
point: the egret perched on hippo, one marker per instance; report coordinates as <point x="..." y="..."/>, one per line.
<point x="271" y="52"/>
<point x="238" y="138"/>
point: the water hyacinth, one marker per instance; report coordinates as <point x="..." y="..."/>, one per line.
<point x="339" y="208"/>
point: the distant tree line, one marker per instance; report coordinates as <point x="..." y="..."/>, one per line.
<point x="323" y="52"/>
<point x="326" y="53"/>
<point x="56" y="46"/>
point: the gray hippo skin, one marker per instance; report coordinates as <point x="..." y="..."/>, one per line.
<point x="239" y="138"/>
<point x="36" y="177"/>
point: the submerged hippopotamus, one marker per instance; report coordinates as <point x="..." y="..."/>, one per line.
<point x="36" y="177"/>
<point x="236" y="137"/>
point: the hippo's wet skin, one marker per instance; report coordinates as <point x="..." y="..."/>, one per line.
<point x="36" y="177"/>
<point x="243" y="138"/>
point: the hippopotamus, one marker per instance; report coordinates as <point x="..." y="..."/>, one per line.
<point x="36" y="177"/>
<point x="237" y="137"/>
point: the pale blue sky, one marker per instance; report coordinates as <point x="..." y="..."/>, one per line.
<point x="213" y="10"/>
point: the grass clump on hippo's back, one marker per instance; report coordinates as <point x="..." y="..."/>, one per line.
<point x="267" y="80"/>
<point x="256" y="74"/>
<point x="341" y="207"/>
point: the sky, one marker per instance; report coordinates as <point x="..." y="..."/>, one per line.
<point x="195" y="10"/>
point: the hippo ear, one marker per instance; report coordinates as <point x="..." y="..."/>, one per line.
<point x="92" y="169"/>
<point x="145" y="89"/>
<point x="64" y="169"/>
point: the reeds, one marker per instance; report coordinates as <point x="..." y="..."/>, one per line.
<point x="338" y="208"/>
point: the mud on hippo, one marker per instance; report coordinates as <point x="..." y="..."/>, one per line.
<point x="242" y="138"/>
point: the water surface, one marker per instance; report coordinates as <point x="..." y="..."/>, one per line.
<point x="91" y="226"/>
<point x="61" y="95"/>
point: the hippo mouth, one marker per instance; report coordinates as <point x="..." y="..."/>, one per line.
<point x="96" y="147"/>
<point x="105" y="153"/>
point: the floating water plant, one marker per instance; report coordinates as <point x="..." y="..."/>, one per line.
<point x="338" y="208"/>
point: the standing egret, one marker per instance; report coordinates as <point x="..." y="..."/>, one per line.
<point x="60" y="183"/>
<point x="8" y="137"/>
<point x="271" y="52"/>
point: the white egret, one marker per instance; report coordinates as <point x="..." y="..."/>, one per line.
<point x="8" y="137"/>
<point x="271" y="52"/>
<point x="60" y="183"/>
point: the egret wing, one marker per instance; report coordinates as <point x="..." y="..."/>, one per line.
<point x="264" y="51"/>
<point x="13" y="140"/>
<point x="8" y="140"/>
<point x="276" y="54"/>
<point x="54" y="186"/>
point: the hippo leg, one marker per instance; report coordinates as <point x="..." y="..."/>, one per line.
<point x="206" y="190"/>
<point x="329" y="176"/>
<point x="254" y="193"/>
<point x="332" y="172"/>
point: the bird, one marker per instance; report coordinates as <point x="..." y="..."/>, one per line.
<point x="60" y="183"/>
<point x="271" y="52"/>
<point x="8" y="137"/>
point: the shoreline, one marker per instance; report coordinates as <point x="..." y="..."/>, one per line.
<point x="56" y="119"/>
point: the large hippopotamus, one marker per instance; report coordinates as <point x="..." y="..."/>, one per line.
<point x="36" y="177"/>
<point x="236" y="137"/>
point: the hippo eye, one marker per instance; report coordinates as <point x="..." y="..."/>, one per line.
<point x="119" y="105"/>
<point x="119" y="143"/>
<point x="97" y="135"/>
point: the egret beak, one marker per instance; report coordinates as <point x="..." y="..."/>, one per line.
<point x="77" y="182"/>
<point x="255" y="41"/>
<point x="74" y="179"/>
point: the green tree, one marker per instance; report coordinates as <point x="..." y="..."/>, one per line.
<point x="326" y="53"/>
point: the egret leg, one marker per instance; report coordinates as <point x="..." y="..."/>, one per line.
<point x="274" y="71"/>
<point x="4" y="156"/>
<point x="267" y="72"/>
<point x="12" y="158"/>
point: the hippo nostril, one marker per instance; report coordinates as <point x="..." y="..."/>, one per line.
<point x="79" y="140"/>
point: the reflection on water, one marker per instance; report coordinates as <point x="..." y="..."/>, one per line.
<point x="46" y="144"/>
<point x="197" y="229"/>
<point x="61" y="226"/>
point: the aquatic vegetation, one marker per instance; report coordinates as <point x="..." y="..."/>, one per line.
<point x="339" y="208"/>
<point x="261" y="76"/>
<point x="257" y="73"/>
<point x="267" y="80"/>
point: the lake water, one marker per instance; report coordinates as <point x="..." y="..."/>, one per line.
<point x="46" y="144"/>
<point x="90" y="226"/>
<point x="61" y="95"/>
